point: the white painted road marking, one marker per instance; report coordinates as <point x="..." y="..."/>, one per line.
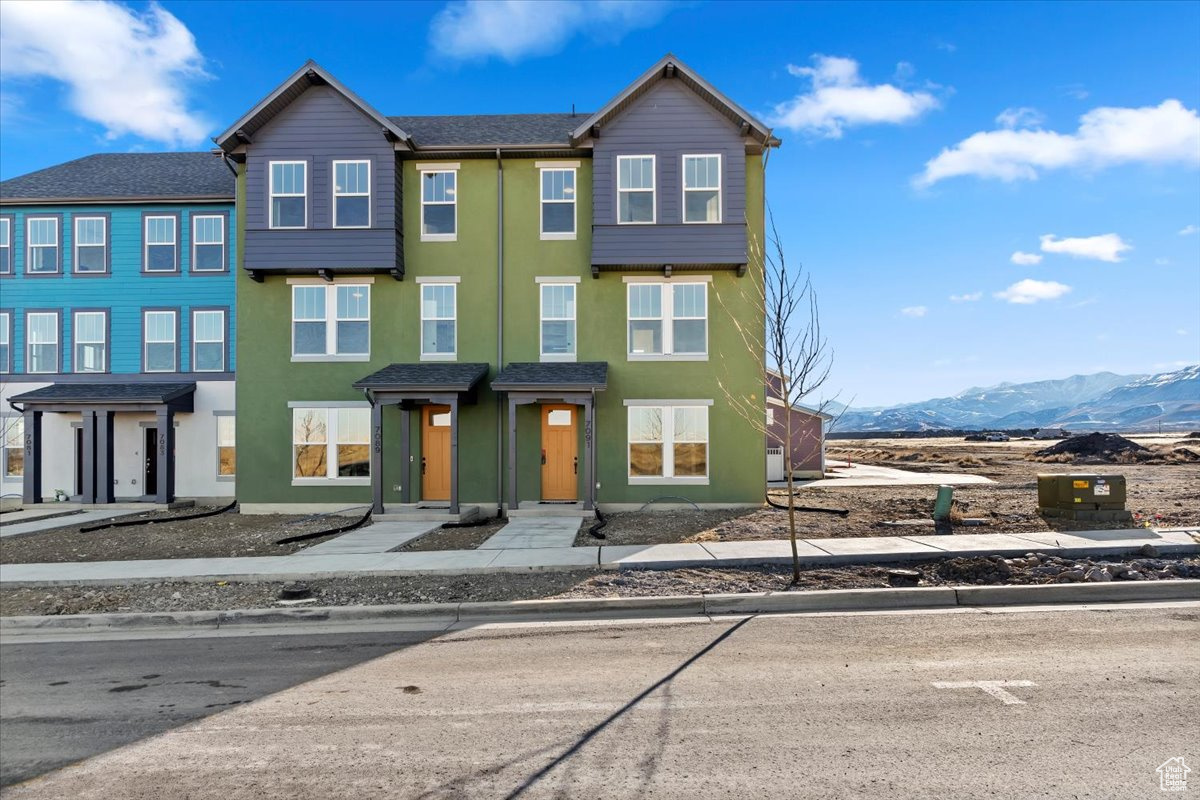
<point x="994" y="688"/>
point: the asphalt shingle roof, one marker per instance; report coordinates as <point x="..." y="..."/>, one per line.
<point x="126" y="176"/>
<point x="426" y="375"/>
<point x="490" y="129"/>
<point x="106" y="393"/>
<point x="534" y="375"/>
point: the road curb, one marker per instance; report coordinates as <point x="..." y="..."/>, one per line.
<point x="616" y="608"/>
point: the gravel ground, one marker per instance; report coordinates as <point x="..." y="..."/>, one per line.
<point x="221" y="536"/>
<point x="454" y="538"/>
<point x="582" y="583"/>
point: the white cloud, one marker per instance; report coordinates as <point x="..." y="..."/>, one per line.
<point x="915" y="312"/>
<point x="516" y="29"/>
<point x="1031" y="291"/>
<point x="966" y="298"/>
<point x="1188" y="230"/>
<point x="1106" y="247"/>
<point x="1181" y="332"/>
<point x="1167" y="133"/>
<point x="1162" y="262"/>
<point x="125" y="70"/>
<point x="1022" y="117"/>
<point x="840" y="98"/>
<point x="1025" y="259"/>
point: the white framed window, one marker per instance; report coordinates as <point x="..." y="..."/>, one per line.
<point x="439" y="205"/>
<point x="41" y="238"/>
<point x="635" y="190"/>
<point x="91" y="244"/>
<point x="557" y="330"/>
<point x="41" y="342"/>
<point x="159" y="341"/>
<point x="89" y="330"/>
<point x="331" y="444"/>
<point x="208" y="243"/>
<point x="439" y="321"/>
<point x="351" y="194"/>
<point x="289" y="194"/>
<point x="702" y="189"/>
<point x="5" y="342"/>
<point x="331" y="321"/>
<point x="770" y="416"/>
<point x="558" y="203"/>
<point x="6" y="259"/>
<point x="14" y="446"/>
<point x="226" y="446"/>
<point x="668" y="320"/>
<point x="208" y="340"/>
<point x="668" y="443"/>
<point x="161" y="251"/>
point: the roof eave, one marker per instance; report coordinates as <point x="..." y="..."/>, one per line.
<point x="43" y="201"/>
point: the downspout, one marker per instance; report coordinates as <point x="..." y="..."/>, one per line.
<point x="500" y="421"/>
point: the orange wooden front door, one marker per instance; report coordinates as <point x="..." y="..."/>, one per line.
<point x="435" y="453"/>
<point x="560" y="453"/>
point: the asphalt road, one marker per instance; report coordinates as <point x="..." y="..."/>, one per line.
<point x="805" y="706"/>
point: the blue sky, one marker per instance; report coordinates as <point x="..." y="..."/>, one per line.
<point x="982" y="192"/>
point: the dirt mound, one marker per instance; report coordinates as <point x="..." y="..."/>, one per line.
<point x="1102" y="446"/>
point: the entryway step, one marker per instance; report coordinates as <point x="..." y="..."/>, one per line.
<point x="536" y="508"/>
<point x="426" y="512"/>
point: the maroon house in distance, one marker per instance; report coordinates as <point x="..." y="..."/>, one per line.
<point x="808" y="436"/>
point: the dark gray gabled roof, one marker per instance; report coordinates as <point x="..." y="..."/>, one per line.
<point x="107" y="393"/>
<point x="558" y="375"/>
<point x="440" y="376"/>
<point x="490" y="130"/>
<point x="126" y="176"/>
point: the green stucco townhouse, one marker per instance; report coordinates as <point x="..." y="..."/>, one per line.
<point x="476" y="313"/>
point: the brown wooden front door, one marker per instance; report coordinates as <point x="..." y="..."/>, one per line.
<point x="560" y="452"/>
<point x="435" y="453"/>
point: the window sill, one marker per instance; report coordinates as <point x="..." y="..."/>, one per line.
<point x="651" y="222"/>
<point x="439" y="356"/>
<point x="331" y="481"/>
<point x="226" y="478"/>
<point x="557" y="357"/>
<point x="558" y="237"/>
<point x="287" y="227"/>
<point x="439" y="237"/>
<point x="662" y="357"/>
<point x="645" y="481"/>
<point x="300" y="359"/>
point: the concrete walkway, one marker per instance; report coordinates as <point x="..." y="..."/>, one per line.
<point x="524" y="533"/>
<point x="381" y="537"/>
<point x="49" y="523"/>
<point x="813" y="552"/>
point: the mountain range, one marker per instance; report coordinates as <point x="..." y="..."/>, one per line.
<point x="1100" y="402"/>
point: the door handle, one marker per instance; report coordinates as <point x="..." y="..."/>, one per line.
<point x="575" y="466"/>
<point x="422" y="465"/>
<point x="543" y="458"/>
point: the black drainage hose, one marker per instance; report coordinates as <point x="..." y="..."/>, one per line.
<point x="318" y="534"/>
<point x="594" y="530"/>
<point x="843" y="512"/>
<point x="161" y="521"/>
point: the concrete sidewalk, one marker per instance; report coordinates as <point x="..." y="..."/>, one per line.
<point x="64" y="519"/>
<point x="813" y="552"/>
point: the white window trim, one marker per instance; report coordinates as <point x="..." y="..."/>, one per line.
<point x="29" y="245"/>
<point x="196" y="243"/>
<point x="222" y="341"/>
<point x="75" y="243"/>
<point x="13" y="420"/>
<point x="7" y="264"/>
<point x="75" y="315"/>
<point x="422" y="169"/>
<point x="421" y="299"/>
<point x="366" y="194"/>
<point x="146" y="243"/>
<point x="574" y="319"/>
<point x="174" y="339"/>
<point x="272" y="194"/>
<point x="668" y="478"/>
<point x="667" y="318"/>
<point x="653" y="188"/>
<point x="558" y="235"/>
<point x="6" y="336"/>
<point x="331" y="320"/>
<point x="29" y="343"/>
<point x="218" y="416"/>
<point x="684" y="188"/>
<point x="331" y="443"/>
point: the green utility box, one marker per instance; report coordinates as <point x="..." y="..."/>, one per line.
<point x="1083" y="496"/>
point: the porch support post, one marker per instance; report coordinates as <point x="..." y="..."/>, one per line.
<point x="165" y="422"/>
<point x="406" y="467"/>
<point x="31" y="489"/>
<point x="589" y="485"/>
<point x="104" y="456"/>
<point x="377" y="457"/>
<point x="512" y="453"/>
<point x="454" y="454"/>
<point x="87" y="492"/>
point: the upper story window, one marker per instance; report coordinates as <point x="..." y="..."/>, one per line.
<point x="289" y="194"/>
<point x="89" y="329"/>
<point x="5" y="246"/>
<point x="558" y="203"/>
<point x="439" y="205"/>
<point x="668" y="319"/>
<point x="331" y="321"/>
<point x="701" y="188"/>
<point x="41" y="341"/>
<point x="5" y="342"/>
<point x="162" y="252"/>
<point x="439" y="321"/>
<point x="159" y="341"/>
<point x="558" y="321"/>
<point x="208" y="340"/>
<point x="41" y="237"/>
<point x="91" y="244"/>
<point x="635" y="190"/>
<point x="208" y="243"/>
<point x="352" y="194"/>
